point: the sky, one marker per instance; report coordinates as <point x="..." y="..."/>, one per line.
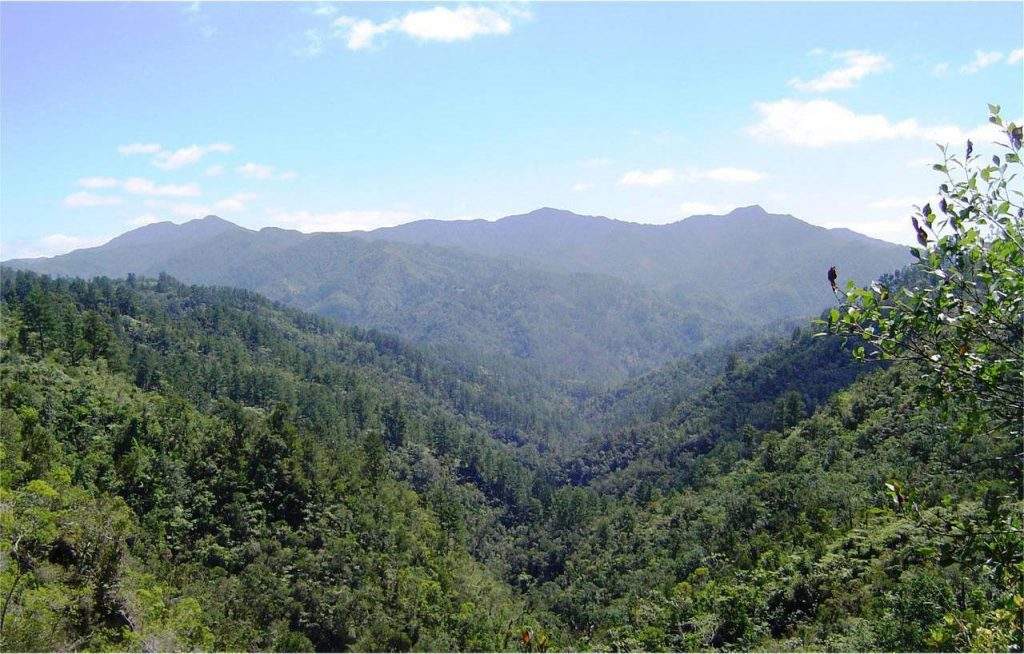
<point x="342" y="116"/>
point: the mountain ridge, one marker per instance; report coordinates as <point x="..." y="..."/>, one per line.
<point x="569" y="296"/>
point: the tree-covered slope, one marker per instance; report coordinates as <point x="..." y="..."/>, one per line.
<point x="187" y="467"/>
<point x="199" y="468"/>
<point x="787" y="537"/>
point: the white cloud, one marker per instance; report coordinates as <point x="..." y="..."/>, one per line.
<point x="255" y="171"/>
<point x="658" y="177"/>
<point x="235" y="203"/>
<point x="940" y="69"/>
<point x="580" y="187"/>
<point x="662" y="176"/>
<point x="171" y="160"/>
<point x="732" y="175"/>
<point x="324" y="10"/>
<point x="459" y="24"/>
<point x="1015" y="56"/>
<point x="215" y="171"/>
<point x="702" y="208"/>
<point x="856" y="65"/>
<point x="139" y="148"/>
<point x="441" y="24"/>
<point x="338" y="221"/>
<point x="140" y="186"/>
<point x="981" y="60"/>
<point x="819" y="123"/>
<point x="86" y="199"/>
<point x="360" y="33"/>
<point x="97" y="182"/>
<point x="313" y="43"/>
<point x="49" y="245"/>
<point x="261" y="171"/>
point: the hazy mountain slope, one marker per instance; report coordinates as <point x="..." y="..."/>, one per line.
<point x="772" y="264"/>
<point x="578" y="326"/>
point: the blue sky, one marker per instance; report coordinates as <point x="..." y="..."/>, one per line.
<point x="355" y="115"/>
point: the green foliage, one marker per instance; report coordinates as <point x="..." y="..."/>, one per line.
<point x="190" y="468"/>
<point x="958" y="320"/>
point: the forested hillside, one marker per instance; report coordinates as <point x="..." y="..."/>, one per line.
<point x="198" y="468"/>
<point x="172" y="451"/>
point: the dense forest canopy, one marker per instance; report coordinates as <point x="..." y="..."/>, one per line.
<point x="196" y="467"/>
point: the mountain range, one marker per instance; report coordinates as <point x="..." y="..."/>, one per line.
<point x="580" y="299"/>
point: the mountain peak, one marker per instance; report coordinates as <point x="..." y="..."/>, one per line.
<point x="547" y="214"/>
<point x="209" y="220"/>
<point x="209" y="225"/>
<point x="752" y="210"/>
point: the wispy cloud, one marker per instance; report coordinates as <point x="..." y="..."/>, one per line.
<point x="731" y="175"/>
<point x="252" y="170"/>
<point x="580" y="187"/>
<point x="1015" y="56"/>
<point x="85" y="199"/>
<point x="172" y="160"/>
<point x="658" y="177"/>
<point x="313" y="41"/>
<point x="49" y="245"/>
<point x="139" y="148"/>
<point x="324" y="9"/>
<point x="98" y="182"/>
<point x="236" y="203"/>
<point x="663" y="176"/>
<point x="820" y="123"/>
<point x="141" y="186"/>
<point x="981" y="60"/>
<point x="133" y="185"/>
<point x="338" y="221"/>
<point x="438" y="24"/>
<point x="856" y="65"/>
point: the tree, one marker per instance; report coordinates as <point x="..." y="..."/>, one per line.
<point x="958" y="318"/>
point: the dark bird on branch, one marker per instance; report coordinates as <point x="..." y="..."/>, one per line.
<point x="922" y="236"/>
<point x="832" y="277"/>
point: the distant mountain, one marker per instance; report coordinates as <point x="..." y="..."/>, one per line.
<point x="576" y="298"/>
<point x="573" y="326"/>
<point x="772" y="264"/>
